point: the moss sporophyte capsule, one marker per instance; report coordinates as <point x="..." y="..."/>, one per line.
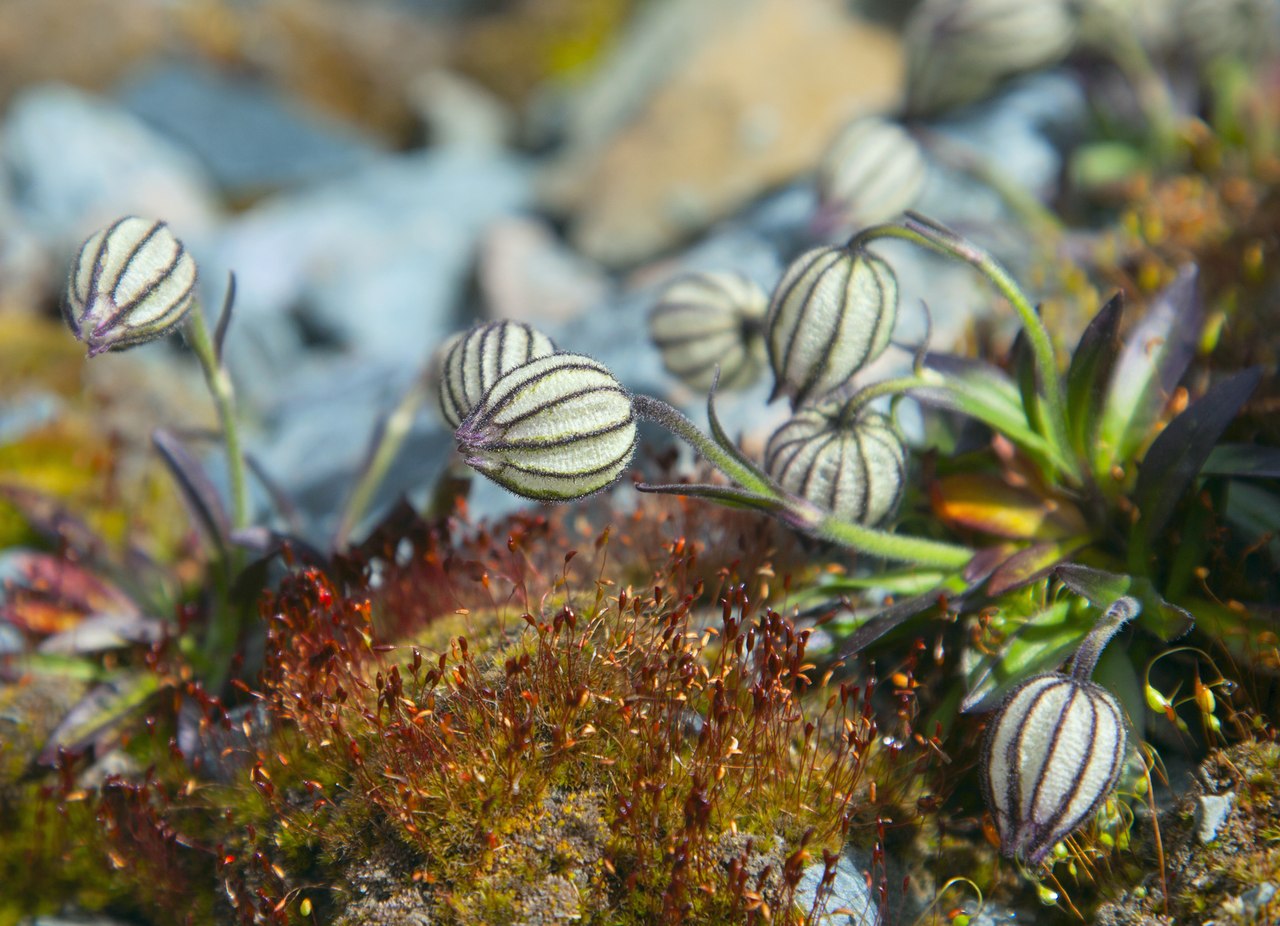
<point x="474" y="361"/>
<point x="711" y="320"/>
<point x="554" y="428"/>
<point x="132" y="282"/>
<point x="832" y="313"/>
<point x="1054" y="750"/>
<point x="850" y="464"/>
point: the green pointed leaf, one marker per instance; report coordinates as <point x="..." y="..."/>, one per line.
<point x="1091" y="365"/>
<point x="1152" y="361"/>
<point x="1102" y="589"/>
<point x="1024" y="370"/>
<point x="1039" y="645"/>
<point x="982" y="392"/>
<point x="100" y="712"/>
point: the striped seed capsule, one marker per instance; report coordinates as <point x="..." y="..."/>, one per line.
<point x="552" y="429"/>
<point x="831" y="314"/>
<point x="872" y="171"/>
<point x="711" y="320"/>
<point x="853" y="466"/>
<point x="1052" y="754"/>
<point x="476" y="360"/>
<point x="958" y="50"/>
<point x="131" y="282"/>
<point x="1228" y="29"/>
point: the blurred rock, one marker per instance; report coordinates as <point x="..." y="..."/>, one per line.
<point x="457" y="111"/>
<point x="737" y="118"/>
<point x="73" y="162"/>
<point x="526" y="274"/>
<point x="27" y="274"/>
<point x="249" y="138"/>
<point x="371" y="266"/>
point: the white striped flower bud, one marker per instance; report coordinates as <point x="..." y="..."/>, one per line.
<point x="132" y="282"/>
<point x="1228" y="29"/>
<point x="476" y="360"/>
<point x="958" y="50"/>
<point x="1052" y="753"/>
<point x="554" y="428"/>
<point x="853" y="466"/>
<point x="711" y="320"/>
<point x="832" y="313"/>
<point x="872" y="171"/>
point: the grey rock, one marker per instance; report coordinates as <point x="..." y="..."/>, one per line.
<point x="848" y="891"/>
<point x="249" y="137"/>
<point x="1211" y="812"/>
<point x="372" y="265"/>
<point x="456" y="111"/>
<point x="72" y="162"/>
<point x="1255" y="899"/>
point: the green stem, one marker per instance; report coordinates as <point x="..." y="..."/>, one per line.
<point x="867" y="394"/>
<point x="224" y="626"/>
<point x="797" y="512"/>
<point x="942" y="241"/>
<point x="224" y="400"/>
<point x="673" y="420"/>
<point x="389" y="441"/>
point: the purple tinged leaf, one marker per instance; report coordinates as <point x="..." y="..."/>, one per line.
<point x="224" y="317"/>
<point x="1031" y="563"/>
<point x="1151" y="363"/>
<point x="1102" y="589"/>
<point x="100" y="713"/>
<point x="1091" y="365"/>
<point x="1177" y="454"/>
<point x="196" y="486"/>
<point x="1024" y="369"/>
<point x="1243" y="460"/>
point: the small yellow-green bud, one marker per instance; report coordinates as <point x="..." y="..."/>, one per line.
<point x="1052" y="753"/>
<point x="552" y="429"/>
<point x="711" y="320"/>
<point x="873" y="170"/>
<point x="476" y="360"/>
<point x="132" y="282"/>
<point x="852" y="466"/>
<point x="831" y="314"/>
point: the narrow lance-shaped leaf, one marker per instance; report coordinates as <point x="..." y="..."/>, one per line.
<point x="1245" y="460"/>
<point x="1175" y="457"/>
<point x="1091" y="365"/>
<point x="196" y="486"/>
<point x="1103" y="588"/>
<point x="1151" y="363"/>
<point x="982" y="392"/>
<point x="1024" y="370"/>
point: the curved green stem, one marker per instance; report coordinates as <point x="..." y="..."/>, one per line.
<point x="673" y="420"/>
<point x="886" y="387"/>
<point x="936" y="238"/>
<point x="386" y="445"/>
<point x="797" y="512"/>
<point x="224" y="400"/>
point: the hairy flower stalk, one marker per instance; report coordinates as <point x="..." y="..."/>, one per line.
<point x="755" y="489"/>
<point x="938" y="238"/>
<point x="1054" y="750"/>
